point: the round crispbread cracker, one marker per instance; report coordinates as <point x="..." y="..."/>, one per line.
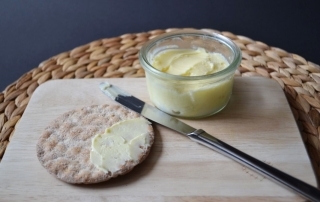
<point x="64" y="146"/>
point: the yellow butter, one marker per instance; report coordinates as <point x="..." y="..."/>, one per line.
<point x="189" y="62"/>
<point x="198" y="97"/>
<point x="122" y="142"/>
<point x="190" y="101"/>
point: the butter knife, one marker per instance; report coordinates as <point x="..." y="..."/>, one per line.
<point x="200" y="136"/>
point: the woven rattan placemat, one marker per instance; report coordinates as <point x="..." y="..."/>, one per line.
<point x="118" y="57"/>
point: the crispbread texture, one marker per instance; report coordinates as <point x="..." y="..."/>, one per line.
<point x="64" y="146"/>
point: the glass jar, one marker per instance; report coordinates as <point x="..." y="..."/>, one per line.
<point x="190" y="96"/>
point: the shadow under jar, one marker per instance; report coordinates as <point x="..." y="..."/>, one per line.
<point x="190" y="96"/>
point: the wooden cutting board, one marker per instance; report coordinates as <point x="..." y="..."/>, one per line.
<point x="257" y="120"/>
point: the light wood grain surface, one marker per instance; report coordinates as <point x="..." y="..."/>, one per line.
<point x="257" y="120"/>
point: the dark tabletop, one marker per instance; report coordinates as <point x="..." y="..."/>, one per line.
<point x="34" y="30"/>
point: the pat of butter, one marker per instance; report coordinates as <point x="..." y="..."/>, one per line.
<point x="122" y="142"/>
<point x="189" y="62"/>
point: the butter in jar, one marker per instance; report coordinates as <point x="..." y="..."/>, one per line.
<point x="189" y="62"/>
<point x="190" y="73"/>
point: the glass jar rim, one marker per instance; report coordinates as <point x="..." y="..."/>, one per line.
<point x="199" y="33"/>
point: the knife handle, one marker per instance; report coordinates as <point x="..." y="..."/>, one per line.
<point x="295" y="184"/>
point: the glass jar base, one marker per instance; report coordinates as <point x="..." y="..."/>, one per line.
<point x="196" y="117"/>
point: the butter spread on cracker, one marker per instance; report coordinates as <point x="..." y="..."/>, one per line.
<point x="122" y="142"/>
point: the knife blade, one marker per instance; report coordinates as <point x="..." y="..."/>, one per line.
<point x="200" y="136"/>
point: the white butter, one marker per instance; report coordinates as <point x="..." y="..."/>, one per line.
<point x="122" y="142"/>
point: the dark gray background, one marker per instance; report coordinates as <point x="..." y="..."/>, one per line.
<point x="34" y="30"/>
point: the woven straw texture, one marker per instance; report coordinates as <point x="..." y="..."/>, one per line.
<point x="118" y="57"/>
